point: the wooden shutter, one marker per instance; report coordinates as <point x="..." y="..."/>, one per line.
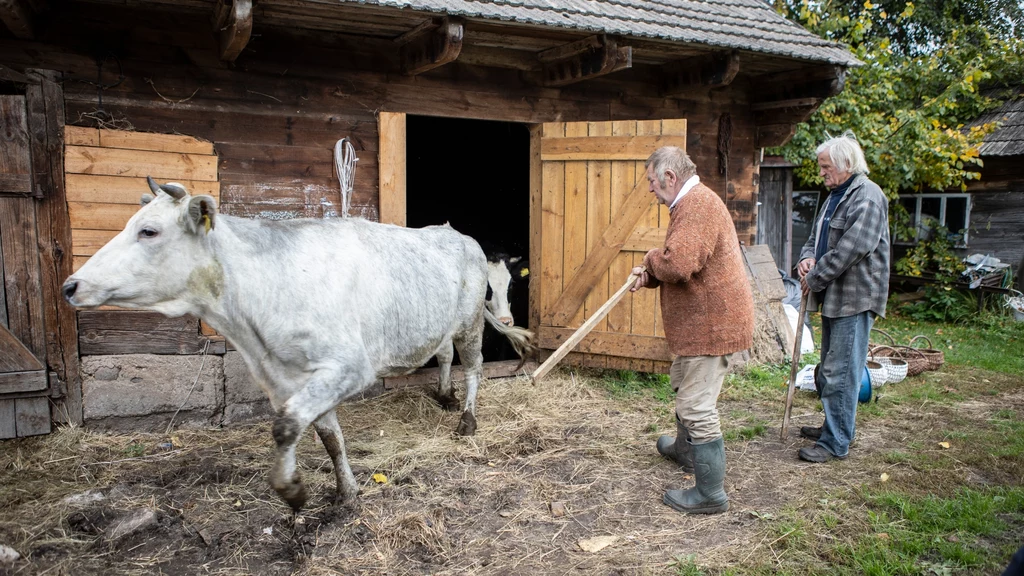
<point x="597" y="220"/>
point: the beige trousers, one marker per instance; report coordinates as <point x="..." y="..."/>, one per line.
<point x="697" y="381"/>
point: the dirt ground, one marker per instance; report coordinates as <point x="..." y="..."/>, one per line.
<point x="550" y="468"/>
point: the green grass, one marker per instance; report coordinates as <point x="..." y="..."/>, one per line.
<point x="627" y="384"/>
<point x="910" y="535"/>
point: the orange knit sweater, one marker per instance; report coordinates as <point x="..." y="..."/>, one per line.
<point x="706" y="301"/>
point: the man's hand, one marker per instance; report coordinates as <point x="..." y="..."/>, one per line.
<point x="643" y="278"/>
<point x="804" y="267"/>
<point x="804" y="288"/>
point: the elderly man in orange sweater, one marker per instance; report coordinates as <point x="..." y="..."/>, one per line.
<point x="708" y="310"/>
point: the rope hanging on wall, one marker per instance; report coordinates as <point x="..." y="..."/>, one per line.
<point x="724" y="143"/>
<point x="345" y="168"/>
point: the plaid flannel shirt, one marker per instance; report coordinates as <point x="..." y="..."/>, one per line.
<point x="853" y="274"/>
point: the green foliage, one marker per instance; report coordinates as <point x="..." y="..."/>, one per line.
<point x="936" y="258"/>
<point x="922" y="81"/>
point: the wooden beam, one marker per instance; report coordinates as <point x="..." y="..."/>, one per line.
<point x="232" y="20"/>
<point x="607" y="343"/>
<point x="391" y="168"/>
<point x="45" y="102"/>
<point x="605" y="147"/>
<point x="426" y="376"/>
<point x="432" y="47"/>
<point x="791" y="103"/>
<point x="582" y="60"/>
<point x="770" y="135"/>
<point x="711" y="71"/>
<point x="8" y="75"/>
<point x="17" y="15"/>
<point x="803" y="88"/>
<point x="23" y="381"/>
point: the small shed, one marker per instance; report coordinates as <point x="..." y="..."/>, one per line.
<point x="997" y="199"/>
<point x="527" y="122"/>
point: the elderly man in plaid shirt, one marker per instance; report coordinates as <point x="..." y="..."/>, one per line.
<point x="845" y="264"/>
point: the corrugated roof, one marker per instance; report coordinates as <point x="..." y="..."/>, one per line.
<point x="735" y="24"/>
<point x="1008" y="139"/>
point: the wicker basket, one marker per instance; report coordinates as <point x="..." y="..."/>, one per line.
<point x="896" y="368"/>
<point x="877" y="373"/>
<point x="915" y="359"/>
<point x="935" y="357"/>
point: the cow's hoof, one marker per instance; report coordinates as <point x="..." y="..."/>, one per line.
<point x="467" y="426"/>
<point x="294" y="493"/>
<point x="347" y="498"/>
<point x="449" y="403"/>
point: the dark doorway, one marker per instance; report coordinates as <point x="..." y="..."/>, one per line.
<point x="475" y="175"/>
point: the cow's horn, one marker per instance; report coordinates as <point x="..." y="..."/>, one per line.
<point x="153" y="185"/>
<point x="176" y="192"/>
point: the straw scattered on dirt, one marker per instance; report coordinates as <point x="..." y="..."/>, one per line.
<point x="551" y="468"/>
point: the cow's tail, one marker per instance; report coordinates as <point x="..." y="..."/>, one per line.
<point x="520" y="338"/>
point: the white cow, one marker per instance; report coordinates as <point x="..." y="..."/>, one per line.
<point x="319" y="309"/>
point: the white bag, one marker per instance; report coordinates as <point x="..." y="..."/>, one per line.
<point x="807" y="343"/>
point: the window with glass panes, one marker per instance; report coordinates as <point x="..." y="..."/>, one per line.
<point x="928" y="211"/>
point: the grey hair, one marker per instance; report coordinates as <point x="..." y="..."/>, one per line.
<point x="845" y="152"/>
<point x="671" y="158"/>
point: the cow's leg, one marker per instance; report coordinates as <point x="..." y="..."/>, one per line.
<point x="330" y="433"/>
<point x="322" y="392"/>
<point x="472" y="363"/>
<point x="445" y="395"/>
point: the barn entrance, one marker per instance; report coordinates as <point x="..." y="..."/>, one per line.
<point x="475" y="175"/>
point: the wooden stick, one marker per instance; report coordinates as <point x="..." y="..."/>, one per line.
<point x="794" y="369"/>
<point x="582" y="331"/>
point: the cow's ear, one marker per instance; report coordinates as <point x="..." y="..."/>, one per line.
<point x="146" y="199"/>
<point x="514" y="259"/>
<point x="202" y="212"/>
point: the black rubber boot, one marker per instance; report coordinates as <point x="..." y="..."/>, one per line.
<point x="677" y="449"/>
<point x="708" y="495"/>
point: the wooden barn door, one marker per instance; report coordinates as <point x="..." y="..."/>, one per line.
<point x="597" y="219"/>
<point x="37" y="352"/>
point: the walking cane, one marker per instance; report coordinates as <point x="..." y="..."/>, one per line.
<point x="795" y="367"/>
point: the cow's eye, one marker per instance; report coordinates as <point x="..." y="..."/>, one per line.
<point x="147" y="233"/>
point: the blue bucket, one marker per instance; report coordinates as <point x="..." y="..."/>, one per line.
<point x="865" y="387"/>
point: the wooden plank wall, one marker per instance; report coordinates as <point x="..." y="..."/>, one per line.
<point x="105" y="176"/>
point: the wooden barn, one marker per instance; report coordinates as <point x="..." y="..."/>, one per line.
<point x="524" y="124"/>
<point x="996" y="210"/>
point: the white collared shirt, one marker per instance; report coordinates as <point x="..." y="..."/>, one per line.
<point x="687" y="186"/>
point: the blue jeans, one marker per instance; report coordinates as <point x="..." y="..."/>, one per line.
<point x="844" y="350"/>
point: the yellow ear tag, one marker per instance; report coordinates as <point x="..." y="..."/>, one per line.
<point x="207" y="223"/>
<point x="524" y="272"/>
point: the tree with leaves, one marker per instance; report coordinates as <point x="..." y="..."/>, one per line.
<point x="930" y="68"/>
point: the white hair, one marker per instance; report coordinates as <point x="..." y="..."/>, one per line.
<point x="845" y="153"/>
<point x="670" y="158"/>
